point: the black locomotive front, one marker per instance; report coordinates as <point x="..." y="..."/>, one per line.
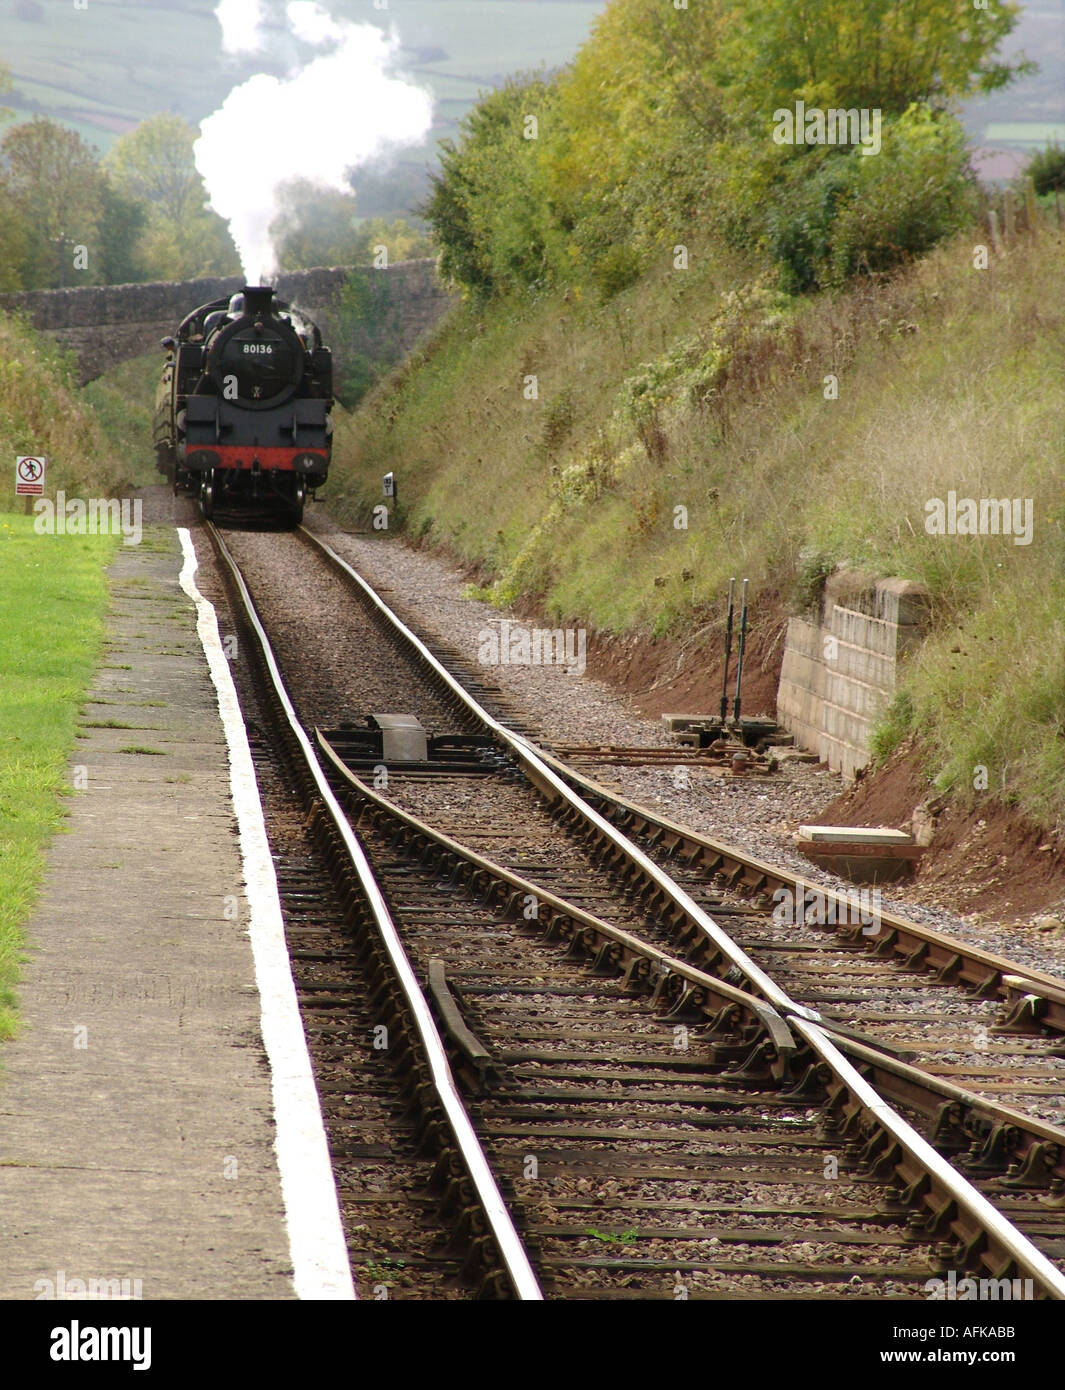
<point x="243" y="411"/>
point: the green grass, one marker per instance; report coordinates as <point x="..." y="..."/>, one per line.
<point x="52" y="600"/>
<point x="52" y="597"/>
<point x="43" y="412"/>
<point x="613" y="1238"/>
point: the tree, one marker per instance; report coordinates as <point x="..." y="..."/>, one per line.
<point x="488" y="207"/>
<point x="65" y="219"/>
<point x="638" y="115"/>
<point x="14" y="245"/>
<point x="1046" y="168"/>
<point x="880" y="53"/>
<point x="154" y="165"/>
<point x="122" y="223"/>
<point x="313" y="226"/>
<point x="52" y="183"/>
<point x="661" y="132"/>
<point x="316" y="226"/>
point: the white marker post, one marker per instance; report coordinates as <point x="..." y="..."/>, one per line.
<point x="29" y="477"/>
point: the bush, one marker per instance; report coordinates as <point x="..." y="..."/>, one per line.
<point x="916" y="192"/>
<point x="660" y="131"/>
<point x="800" y="221"/>
<point x="814" y="569"/>
<point x="616" y="269"/>
<point x="487" y="208"/>
<point x="354" y="378"/>
<point x="1046" y="168"/>
<point x="559" y="417"/>
<point x="894" y="726"/>
<point x="864" y="214"/>
<point x="366" y="316"/>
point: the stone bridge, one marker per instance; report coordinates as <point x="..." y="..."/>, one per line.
<point x="106" y="324"/>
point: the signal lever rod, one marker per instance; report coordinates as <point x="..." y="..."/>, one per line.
<point x="728" y="653"/>
<point x="739" y="654"/>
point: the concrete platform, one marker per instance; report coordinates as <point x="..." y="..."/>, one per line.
<point x="136" y="1115"/>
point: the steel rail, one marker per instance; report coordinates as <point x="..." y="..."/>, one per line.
<point x="1039" y="998"/>
<point x="554" y="788"/>
<point x="982" y="969"/>
<point x="956" y="1110"/>
<point x="1003" y="1247"/>
<point x="996" y="1135"/>
<point x="634" y="947"/>
<point x="509" y="1244"/>
<point x="1006" y="1243"/>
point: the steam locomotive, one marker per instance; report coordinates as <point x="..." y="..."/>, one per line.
<point x="242" y="413"/>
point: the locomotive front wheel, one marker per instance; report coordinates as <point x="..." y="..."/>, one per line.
<point x="297" y="503"/>
<point x="207" y="496"/>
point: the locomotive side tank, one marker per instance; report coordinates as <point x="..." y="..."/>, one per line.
<point x="243" y="408"/>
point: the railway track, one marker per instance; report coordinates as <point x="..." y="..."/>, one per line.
<point x="964" y="1013"/>
<point x="422" y="1212"/>
<point x="752" y="1159"/>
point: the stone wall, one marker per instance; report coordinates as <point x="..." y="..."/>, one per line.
<point x="107" y="324"/>
<point x="840" y="668"/>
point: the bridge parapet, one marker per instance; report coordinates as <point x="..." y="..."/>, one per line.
<point x="107" y="324"/>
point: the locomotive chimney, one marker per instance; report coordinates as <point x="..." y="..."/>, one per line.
<point x="258" y="300"/>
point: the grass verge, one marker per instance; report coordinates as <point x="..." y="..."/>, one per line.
<point x="53" y="595"/>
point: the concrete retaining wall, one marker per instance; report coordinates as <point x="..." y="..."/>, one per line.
<point x="840" y="669"/>
<point x="107" y="324"/>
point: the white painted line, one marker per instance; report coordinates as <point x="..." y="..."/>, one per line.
<point x="312" y="1211"/>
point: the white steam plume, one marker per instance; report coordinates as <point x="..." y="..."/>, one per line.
<point x="340" y="111"/>
<point x="240" y="21"/>
<point x="310" y="22"/>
